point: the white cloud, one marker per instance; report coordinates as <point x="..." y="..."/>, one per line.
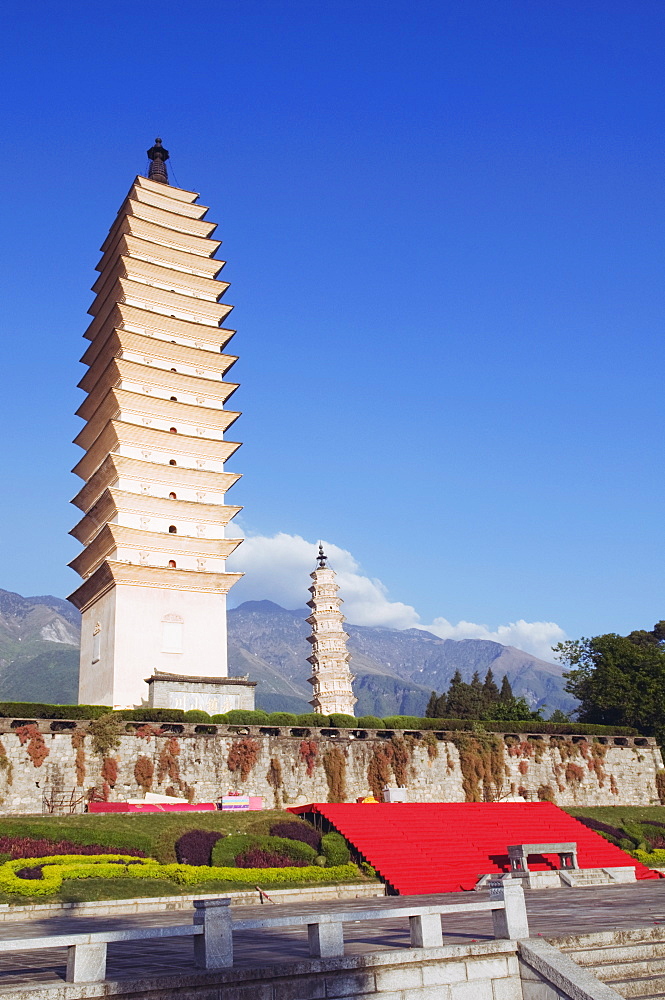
<point x="533" y="637"/>
<point x="277" y="569"/>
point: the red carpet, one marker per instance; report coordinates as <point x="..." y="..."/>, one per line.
<point x="445" y="846"/>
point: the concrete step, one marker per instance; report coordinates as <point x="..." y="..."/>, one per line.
<point x="627" y="970"/>
<point x="635" y="951"/>
<point x="641" y="986"/>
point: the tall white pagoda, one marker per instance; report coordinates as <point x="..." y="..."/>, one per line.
<point x="153" y="597"/>
<point x="331" y="678"/>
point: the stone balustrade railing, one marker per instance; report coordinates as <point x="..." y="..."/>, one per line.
<point x="212" y="930"/>
<point x="301" y="732"/>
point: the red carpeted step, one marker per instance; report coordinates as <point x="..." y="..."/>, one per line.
<point x="445" y="846"/>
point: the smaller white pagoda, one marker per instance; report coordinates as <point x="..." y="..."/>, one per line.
<point x="331" y="678"/>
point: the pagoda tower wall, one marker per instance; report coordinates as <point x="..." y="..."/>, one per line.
<point x="331" y="678"/>
<point x="155" y="518"/>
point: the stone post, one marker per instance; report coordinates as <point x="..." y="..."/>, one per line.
<point x="426" y="930"/>
<point x="511" y="920"/>
<point x="325" y="940"/>
<point x="214" y="948"/>
<point x="86" y="963"/>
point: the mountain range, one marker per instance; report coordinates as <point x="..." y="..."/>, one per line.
<point x="396" y="670"/>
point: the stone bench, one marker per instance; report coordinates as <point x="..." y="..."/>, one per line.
<point x="519" y="853"/>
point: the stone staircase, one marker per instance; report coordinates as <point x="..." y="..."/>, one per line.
<point x="632" y="962"/>
<point x="582" y="877"/>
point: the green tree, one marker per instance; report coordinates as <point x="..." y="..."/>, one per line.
<point x="430" y="711"/>
<point x="558" y="716"/>
<point x="506" y="692"/>
<point x="490" y="690"/>
<point x="619" y="680"/>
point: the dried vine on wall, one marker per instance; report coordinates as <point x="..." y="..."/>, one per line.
<point x="388" y="759"/>
<point x="105" y="734"/>
<point x="482" y="764"/>
<point x="37" y="749"/>
<point x="144" y="770"/>
<point x="334" y="765"/>
<point x="109" y="771"/>
<point x="78" y="739"/>
<point x="6" y="764"/>
<point x="168" y="764"/>
<point x="243" y="756"/>
<point x="275" y="780"/>
<point x="309" y="751"/>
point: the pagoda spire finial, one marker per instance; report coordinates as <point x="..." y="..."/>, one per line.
<point x="158" y="156"/>
<point x="322" y="557"/>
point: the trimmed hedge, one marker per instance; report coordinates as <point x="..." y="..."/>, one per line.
<point x="39" y="710"/>
<point x="335" y="849"/>
<point x="240" y="717"/>
<point x="225" y="851"/>
<point x="297" y="830"/>
<point x="195" y="846"/>
<point x="59" y="868"/>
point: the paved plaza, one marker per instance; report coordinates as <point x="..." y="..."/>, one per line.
<point x="551" y="913"/>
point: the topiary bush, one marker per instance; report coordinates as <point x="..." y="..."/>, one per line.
<point x="369" y="722"/>
<point x="282" y="719"/>
<point x="295" y="830"/>
<point x="341" y="721"/>
<point x="226" y="849"/>
<point x="151" y="714"/>
<point x="242" y="717"/>
<point x="38" y="847"/>
<point x="196" y="715"/>
<point x="313" y="719"/>
<point x="335" y="849"/>
<point x="195" y="847"/>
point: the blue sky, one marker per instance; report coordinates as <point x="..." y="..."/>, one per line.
<point x="444" y="225"/>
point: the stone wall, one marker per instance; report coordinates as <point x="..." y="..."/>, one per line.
<point x="45" y="764"/>
<point x="487" y="970"/>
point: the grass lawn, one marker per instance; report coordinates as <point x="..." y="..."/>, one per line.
<point x="618" y="815"/>
<point x="153" y="833"/>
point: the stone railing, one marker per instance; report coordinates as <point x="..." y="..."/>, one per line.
<point x="319" y="733"/>
<point x="213" y="929"/>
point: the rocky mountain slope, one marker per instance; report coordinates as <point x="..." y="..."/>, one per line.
<point x="39" y="640"/>
<point x="395" y="670"/>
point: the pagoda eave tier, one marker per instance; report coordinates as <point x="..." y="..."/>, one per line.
<point x="142" y="409"/>
<point x="163" y="275"/>
<point x="152" y="475"/>
<point x="124" y="373"/>
<point x="112" y="573"/>
<point x="152" y="352"/>
<point x="162" y="326"/>
<point x="159" y="544"/>
<point x="138" y="248"/>
<point x="187" y="447"/>
<point x="162" y="235"/>
<point x="113" y="503"/>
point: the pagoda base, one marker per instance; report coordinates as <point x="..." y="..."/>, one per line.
<point x="214" y="695"/>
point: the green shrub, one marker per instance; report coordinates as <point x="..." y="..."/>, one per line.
<point x="341" y="721"/>
<point x="59" y="868"/>
<point x="334" y="849"/>
<point x="369" y="722"/>
<point x="151" y="714"/>
<point x="38" y="710"/>
<point x="196" y="715"/>
<point x="226" y="850"/>
<point x="313" y="719"/>
<point x="653" y="859"/>
<point x="282" y="719"/>
<point x="242" y="717"/>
